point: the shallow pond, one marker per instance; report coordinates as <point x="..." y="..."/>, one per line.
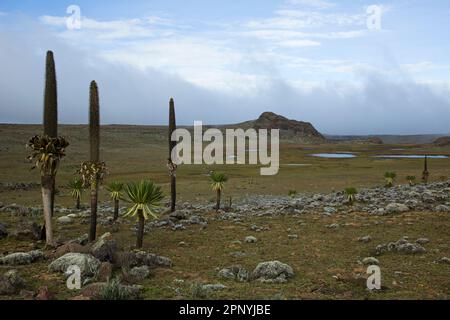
<point x="334" y="155"/>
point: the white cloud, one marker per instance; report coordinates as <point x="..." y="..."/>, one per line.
<point x="319" y="4"/>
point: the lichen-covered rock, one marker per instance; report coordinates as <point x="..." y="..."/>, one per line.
<point x="273" y="271"/>
<point x="22" y="258"/>
<point x="88" y="264"/>
<point x="234" y="273"/>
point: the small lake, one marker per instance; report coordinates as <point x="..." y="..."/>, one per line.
<point x="410" y="156"/>
<point x="334" y="155"/>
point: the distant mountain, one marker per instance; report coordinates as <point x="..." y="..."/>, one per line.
<point x="442" y="142"/>
<point x="289" y="129"/>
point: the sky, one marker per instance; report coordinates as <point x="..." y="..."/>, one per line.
<point x="348" y="67"/>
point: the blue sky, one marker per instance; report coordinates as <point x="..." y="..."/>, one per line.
<point x="229" y="61"/>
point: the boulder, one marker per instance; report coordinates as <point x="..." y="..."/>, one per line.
<point x="22" y="258"/>
<point x="88" y="264"/>
<point x="273" y="271"/>
<point x="251" y="239"/>
<point x="11" y="283"/>
<point x="105" y="248"/>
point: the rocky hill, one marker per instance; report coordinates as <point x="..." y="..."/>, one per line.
<point x="442" y="142"/>
<point x="289" y="129"/>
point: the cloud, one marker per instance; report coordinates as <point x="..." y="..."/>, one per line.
<point x="319" y="4"/>
<point x="214" y="77"/>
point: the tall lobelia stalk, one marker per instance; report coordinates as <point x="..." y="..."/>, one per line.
<point x="94" y="139"/>
<point x="172" y="166"/>
<point x="48" y="149"/>
<point x="51" y="115"/>
<point x="51" y="130"/>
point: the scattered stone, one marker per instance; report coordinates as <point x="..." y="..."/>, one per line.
<point x="251" y="239"/>
<point x="235" y="273"/>
<point x="333" y="226"/>
<point x="330" y="210"/>
<point x="273" y="271"/>
<point x="401" y="246"/>
<point x="65" y="220"/>
<point x="423" y="241"/>
<point x="293" y="236"/>
<point x="445" y="260"/>
<point x="442" y="208"/>
<point x="397" y="208"/>
<point x="178" y="227"/>
<point x="371" y="261"/>
<point x="88" y="264"/>
<point x="365" y="239"/>
<point x="178" y="215"/>
<point x="22" y="258"/>
<point x="238" y="254"/>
